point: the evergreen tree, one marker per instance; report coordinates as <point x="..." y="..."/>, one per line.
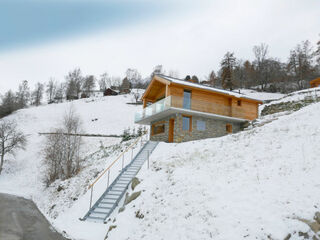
<point x="187" y="78"/>
<point x="212" y="79"/>
<point x="195" y="79"/>
<point x="227" y="67"/>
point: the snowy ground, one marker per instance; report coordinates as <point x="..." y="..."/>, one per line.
<point x="298" y="95"/>
<point x="250" y="185"/>
<point x="23" y="174"/>
<point x="264" y="96"/>
<point x="243" y="186"/>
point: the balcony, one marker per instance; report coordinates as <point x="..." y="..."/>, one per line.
<point x="174" y="104"/>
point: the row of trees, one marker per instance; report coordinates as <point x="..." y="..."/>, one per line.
<point x="267" y="73"/>
<point x="12" y="101"/>
<point x="55" y="91"/>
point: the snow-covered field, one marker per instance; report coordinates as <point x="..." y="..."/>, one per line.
<point x="264" y="96"/>
<point x="23" y="174"/>
<point x="249" y="185"/>
<point x="298" y="95"/>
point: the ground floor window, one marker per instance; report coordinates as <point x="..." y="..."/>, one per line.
<point x="201" y="125"/>
<point x="229" y="128"/>
<point x="157" y="129"/>
<point x="186" y="123"/>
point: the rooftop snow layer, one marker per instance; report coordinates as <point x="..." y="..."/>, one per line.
<point x="196" y="85"/>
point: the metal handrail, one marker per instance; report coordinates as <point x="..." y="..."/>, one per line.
<point x="117" y="159"/>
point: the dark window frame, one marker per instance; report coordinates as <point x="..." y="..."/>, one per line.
<point x="190" y="123"/>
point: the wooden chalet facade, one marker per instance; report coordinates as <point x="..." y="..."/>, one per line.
<point x="179" y="110"/>
<point x="315" y="82"/>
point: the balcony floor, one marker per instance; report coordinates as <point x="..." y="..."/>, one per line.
<point x="172" y="110"/>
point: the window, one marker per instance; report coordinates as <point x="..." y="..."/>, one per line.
<point x="187" y="99"/>
<point x="186" y="123"/>
<point x="201" y="125"/>
<point x="239" y="102"/>
<point x="229" y="128"/>
<point x="157" y="128"/>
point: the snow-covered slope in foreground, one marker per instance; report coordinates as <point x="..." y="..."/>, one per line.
<point x="24" y="174"/>
<point x="250" y="185"/>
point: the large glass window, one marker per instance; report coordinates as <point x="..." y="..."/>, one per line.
<point x="201" y="125"/>
<point x="187" y="99"/>
<point x="186" y="123"/>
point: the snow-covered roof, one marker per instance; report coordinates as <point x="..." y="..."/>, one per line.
<point x="197" y="85"/>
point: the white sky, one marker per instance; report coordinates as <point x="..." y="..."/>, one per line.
<point x="190" y="43"/>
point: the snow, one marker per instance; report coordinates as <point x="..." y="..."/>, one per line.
<point x="23" y="174"/>
<point x="249" y="185"/>
<point x="196" y="85"/>
<point x="265" y="96"/>
<point x="298" y="95"/>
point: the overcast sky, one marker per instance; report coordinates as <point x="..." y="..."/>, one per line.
<point x="43" y="39"/>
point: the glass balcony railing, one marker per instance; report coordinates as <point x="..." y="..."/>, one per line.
<point x="195" y="105"/>
<point x="153" y="109"/>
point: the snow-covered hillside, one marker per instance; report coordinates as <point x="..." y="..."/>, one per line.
<point x="264" y="96"/>
<point x="250" y="185"/>
<point x="23" y="174"/>
<point x="299" y="95"/>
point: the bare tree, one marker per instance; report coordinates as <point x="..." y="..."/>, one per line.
<point x="89" y="83"/>
<point x="104" y="81"/>
<point x="51" y="89"/>
<point x="300" y="63"/>
<point x="37" y="94"/>
<point x="60" y="92"/>
<point x="173" y="73"/>
<point x="62" y="150"/>
<point x="157" y="70"/>
<point x="10" y="139"/>
<point x="74" y="82"/>
<point x="260" y="53"/>
<point x="23" y="94"/>
<point x="116" y="82"/>
<point x="133" y="76"/>
<point x="136" y="95"/>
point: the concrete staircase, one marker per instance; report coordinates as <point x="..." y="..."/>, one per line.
<point x="110" y="199"/>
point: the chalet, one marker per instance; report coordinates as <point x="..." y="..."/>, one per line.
<point x="315" y="82"/>
<point x="110" y="92"/>
<point x="179" y="110"/>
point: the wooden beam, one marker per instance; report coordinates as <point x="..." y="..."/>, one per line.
<point x="167" y="90"/>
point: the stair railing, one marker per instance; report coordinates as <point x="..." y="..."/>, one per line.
<point x="121" y="156"/>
